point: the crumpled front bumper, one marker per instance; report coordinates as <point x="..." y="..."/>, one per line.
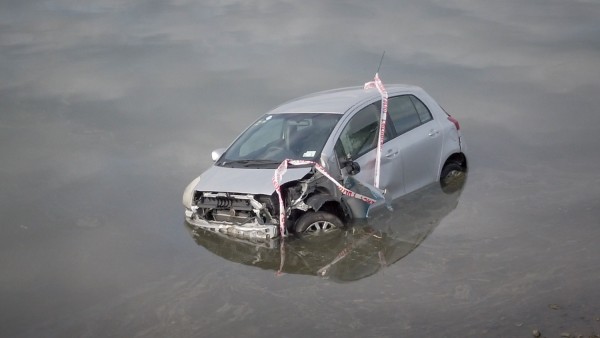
<point x="249" y="230"/>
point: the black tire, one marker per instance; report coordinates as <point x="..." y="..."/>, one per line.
<point x="452" y="177"/>
<point x="316" y="222"/>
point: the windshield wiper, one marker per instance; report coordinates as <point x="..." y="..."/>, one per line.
<point x="248" y="163"/>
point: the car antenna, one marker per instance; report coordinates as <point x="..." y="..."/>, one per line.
<point x="380" y="62"/>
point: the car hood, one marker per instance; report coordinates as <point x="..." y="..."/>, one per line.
<point x="245" y="180"/>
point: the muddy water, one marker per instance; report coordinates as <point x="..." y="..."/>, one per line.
<point x="107" y="111"/>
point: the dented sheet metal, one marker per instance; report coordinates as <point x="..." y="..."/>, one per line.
<point x="283" y="168"/>
<point x="263" y="216"/>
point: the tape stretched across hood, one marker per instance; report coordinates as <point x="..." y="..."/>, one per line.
<point x="245" y="180"/>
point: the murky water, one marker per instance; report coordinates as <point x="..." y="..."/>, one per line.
<point x="108" y="109"/>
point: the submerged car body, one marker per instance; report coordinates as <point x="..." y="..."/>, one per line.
<point x="337" y="130"/>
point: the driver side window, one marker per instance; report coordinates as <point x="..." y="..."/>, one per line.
<point x="360" y="134"/>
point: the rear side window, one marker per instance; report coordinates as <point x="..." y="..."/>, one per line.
<point x="407" y="112"/>
<point x="424" y="113"/>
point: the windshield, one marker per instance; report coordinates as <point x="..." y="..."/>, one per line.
<point x="275" y="137"/>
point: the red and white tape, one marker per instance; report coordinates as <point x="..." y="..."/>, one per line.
<point x="282" y="168"/>
<point x="376" y="83"/>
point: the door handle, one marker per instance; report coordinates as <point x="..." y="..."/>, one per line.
<point x="433" y="132"/>
<point x="391" y="154"/>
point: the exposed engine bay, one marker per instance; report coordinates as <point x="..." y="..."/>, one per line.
<point x="257" y="216"/>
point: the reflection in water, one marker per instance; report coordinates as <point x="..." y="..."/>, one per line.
<point x="351" y="254"/>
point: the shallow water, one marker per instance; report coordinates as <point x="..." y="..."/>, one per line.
<point x="108" y="110"/>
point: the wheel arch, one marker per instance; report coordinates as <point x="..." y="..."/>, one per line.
<point x="458" y="158"/>
<point x="328" y="203"/>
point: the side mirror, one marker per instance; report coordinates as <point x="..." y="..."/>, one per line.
<point x="217" y="153"/>
<point x="352" y="167"/>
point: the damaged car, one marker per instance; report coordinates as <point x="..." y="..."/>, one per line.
<point x="330" y="139"/>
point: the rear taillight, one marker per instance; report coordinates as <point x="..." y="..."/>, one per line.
<point x="455" y="121"/>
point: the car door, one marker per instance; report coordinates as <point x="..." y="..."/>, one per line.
<point x="358" y="142"/>
<point x="418" y="140"/>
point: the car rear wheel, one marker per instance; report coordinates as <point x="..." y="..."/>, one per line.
<point x="316" y="222"/>
<point x="452" y="177"/>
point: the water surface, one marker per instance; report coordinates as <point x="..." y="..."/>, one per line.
<point x="108" y="109"/>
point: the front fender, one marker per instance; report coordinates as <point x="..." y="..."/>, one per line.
<point x="316" y="201"/>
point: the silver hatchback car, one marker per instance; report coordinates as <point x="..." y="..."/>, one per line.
<point x="334" y="135"/>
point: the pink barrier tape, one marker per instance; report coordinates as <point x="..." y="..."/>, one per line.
<point x="279" y="272"/>
<point x="282" y="168"/>
<point x="376" y="83"/>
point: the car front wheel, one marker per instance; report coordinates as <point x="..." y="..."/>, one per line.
<point x="315" y="222"/>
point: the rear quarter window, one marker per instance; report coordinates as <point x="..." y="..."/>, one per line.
<point x="407" y="112"/>
<point x="422" y="110"/>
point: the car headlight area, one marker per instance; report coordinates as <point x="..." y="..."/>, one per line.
<point x="188" y="193"/>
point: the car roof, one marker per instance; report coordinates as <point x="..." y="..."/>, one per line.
<point x="338" y="100"/>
